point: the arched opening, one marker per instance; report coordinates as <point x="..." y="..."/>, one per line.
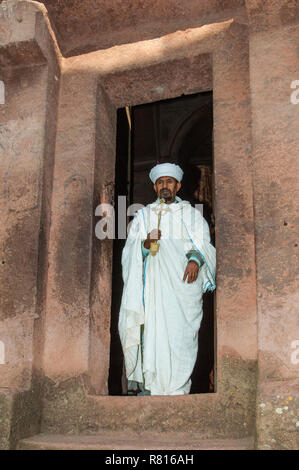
<point x="178" y="130"/>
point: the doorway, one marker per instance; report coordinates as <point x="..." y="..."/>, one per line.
<point x="179" y="130"/>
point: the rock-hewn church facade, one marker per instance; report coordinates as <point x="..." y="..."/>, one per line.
<point x="66" y="67"/>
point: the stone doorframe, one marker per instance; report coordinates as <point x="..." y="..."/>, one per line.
<point x="78" y="301"/>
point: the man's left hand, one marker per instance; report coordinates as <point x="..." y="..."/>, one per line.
<point x="191" y="271"/>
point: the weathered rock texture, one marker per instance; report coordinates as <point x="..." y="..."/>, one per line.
<point x="57" y="148"/>
<point x="275" y="177"/>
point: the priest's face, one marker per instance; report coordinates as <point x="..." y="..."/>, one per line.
<point x="167" y="187"/>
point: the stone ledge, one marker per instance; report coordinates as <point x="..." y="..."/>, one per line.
<point x="19" y="23"/>
<point x="19" y="415"/>
<point x="20" y="54"/>
<point x="131" y="441"/>
<point x="67" y="409"/>
<point x="26" y="36"/>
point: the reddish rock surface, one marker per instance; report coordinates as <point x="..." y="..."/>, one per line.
<point x="57" y="159"/>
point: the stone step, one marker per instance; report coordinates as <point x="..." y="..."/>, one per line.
<point x="109" y="440"/>
<point x="158" y="413"/>
<point x="188" y="413"/>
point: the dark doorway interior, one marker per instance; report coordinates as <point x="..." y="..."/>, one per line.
<point x="179" y="130"/>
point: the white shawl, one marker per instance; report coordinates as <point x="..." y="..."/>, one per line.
<point x="155" y="296"/>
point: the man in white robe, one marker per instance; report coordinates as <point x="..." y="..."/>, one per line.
<point x="161" y="308"/>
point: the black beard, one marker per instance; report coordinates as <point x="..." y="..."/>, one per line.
<point x="166" y="195"/>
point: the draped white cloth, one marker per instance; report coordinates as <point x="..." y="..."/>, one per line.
<point x="155" y="296"/>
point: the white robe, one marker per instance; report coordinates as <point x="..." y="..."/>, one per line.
<point x="155" y="296"/>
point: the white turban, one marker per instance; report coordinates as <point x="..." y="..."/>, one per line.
<point x="166" y="169"/>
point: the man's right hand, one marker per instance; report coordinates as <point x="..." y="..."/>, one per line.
<point x="153" y="236"/>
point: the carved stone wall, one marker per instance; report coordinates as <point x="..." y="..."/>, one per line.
<point x="57" y="149"/>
